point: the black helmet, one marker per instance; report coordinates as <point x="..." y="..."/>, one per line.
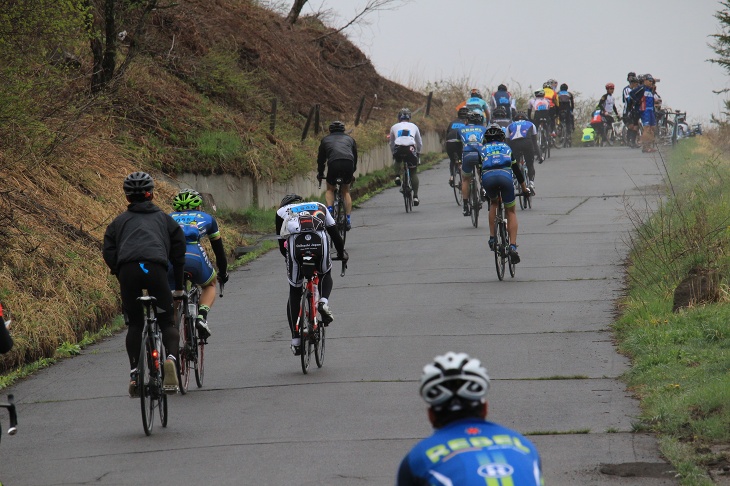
<point x="500" y="112"/>
<point x="630" y="75"/>
<point x="521" y="115"/>
<point x="289" y="199"/>
<point x="139" y="183"/>
<point x="563" y="87"/>
<point x="404" y="114"/>
<point x="463" y="112"/>
<point x="475" y="117"/>
<point x="494" y="133"/>
<point x="337" y="126"/>
<point x="501" y="87"/>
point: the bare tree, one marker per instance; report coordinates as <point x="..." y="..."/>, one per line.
<point x="296" y="9"/>
<point x="370" y="7"/>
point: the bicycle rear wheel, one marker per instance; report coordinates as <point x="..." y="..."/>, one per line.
<point x="341" y="217"/>
<point x="457" y="187"/>
<point x="474" y="200"/>
<point x="500" y="246"/>
<point x="319" y="336"/>
<point x="143" y="386"/>
<point x="305" y="331"/>
<point x="183" y="370"/>
<point x="199" y="365"/>
<point x="407" y="191"/>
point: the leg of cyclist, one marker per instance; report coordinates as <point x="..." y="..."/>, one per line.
<point x="489" y="181"/>
<point x="469" y="160"/>
<point x="412" y="161"/>
<point x="202" y="273"/>
<point x="295" y="294"/>
<point x="453" y="150"/>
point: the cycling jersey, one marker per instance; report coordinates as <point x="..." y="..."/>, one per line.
<point x="607" y="103"/>
<point x="503" y="99"/>
<point x="565" y="100"/>
<point x="496" y="155"/>
<point x="472" y="452"/>
<point x="337" y="146"/>
<point x="196" y="225"/>
<point x="551" y="97"/>
<point x="472" y="136"/>
<point x="478" y="104"/>
<point x="405" y="134"/>
<point x="521" y="129"/>
<point x="452" y="132"/>
<point x="539" y="104"/>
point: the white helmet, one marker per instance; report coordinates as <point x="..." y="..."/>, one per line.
<point x="453" y="382"/>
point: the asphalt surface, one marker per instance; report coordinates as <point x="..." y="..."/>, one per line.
<point x="418" y="285"/>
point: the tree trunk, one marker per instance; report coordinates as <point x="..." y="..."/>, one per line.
<point x="296" y="9"/>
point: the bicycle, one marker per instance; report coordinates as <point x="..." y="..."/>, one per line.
<point x="456" y="174"/>
<point x="524" y="198"/>
<point x="502" y="243"/>
<point x="150" y="369"/>
<point x="407" y="187"/>
<point x="565" y="130"/>
<point x="475" y="192"/>
<point x="543" y="139"/>
<point x="10" y="406"/>
<point x="339" y="213"/>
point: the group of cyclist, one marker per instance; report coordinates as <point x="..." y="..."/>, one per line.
<point x="642" y="103"/>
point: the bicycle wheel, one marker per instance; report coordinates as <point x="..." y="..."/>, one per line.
<point x="143" y="384"/>
<point x="183" y="370"/>
<point x="319" y="336"/>
<point x="474" y="200"/>
<point x="305" y="331"/>
<point x="341" y="216"/>
<point x="499" y="245"/>
<point x="557" y="140"/>
<point x="457" y="187"/>
<point x="161" y="396"/>
<point x="199" y="368"/>
<point x="512" y="266"/>
<point x="526" y="197"/>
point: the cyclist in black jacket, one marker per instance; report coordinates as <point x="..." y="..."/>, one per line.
<point x="339" y="151"/>
<point x="6" y="342"/>
<point x="137" y="247"/>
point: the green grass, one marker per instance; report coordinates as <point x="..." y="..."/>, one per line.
<point x="681" y="361"/>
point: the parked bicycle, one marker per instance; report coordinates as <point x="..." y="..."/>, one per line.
<point x="501" y="243"/>
<point x="150" y="369"/>
<point x="10" y="406"/>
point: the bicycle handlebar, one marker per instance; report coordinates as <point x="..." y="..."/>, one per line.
<point x="10" y="405"/>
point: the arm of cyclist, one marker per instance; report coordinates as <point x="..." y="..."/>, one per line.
<point x="518" y="174"/>
<point x="279" y="223"/>
<point x="321" y="161"/>
<point x="533" y="139"/>
<point x="354" y="155"/>
<point x="177" y="252"/>
<point x="220" y="259"/>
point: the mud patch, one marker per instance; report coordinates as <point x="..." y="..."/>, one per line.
<point x="658" y="470"/>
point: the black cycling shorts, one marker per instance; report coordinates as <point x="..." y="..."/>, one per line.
<point x="337" y="169"/>
<point x="407" y="154"/>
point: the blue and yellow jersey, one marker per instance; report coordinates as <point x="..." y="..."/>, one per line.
<point x="472" y="136"/>
<point x="496" y="155"/>
<point x="472" y="452"/>
<point x="196" y="225"/>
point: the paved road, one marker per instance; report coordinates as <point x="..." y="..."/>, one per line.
<point x="419" y="284"/>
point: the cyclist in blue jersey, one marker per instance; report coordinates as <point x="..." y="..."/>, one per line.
<point x="522" y="139"/>
<point x="476" y="102"/>
<point x="472" y="138"/>
<point x="498" y="165"/>
<point x="197" y="225"/>
<point x="465" y="448"/>
<point x="453" y="141"/>
<point x="631" y="111"/>
<point x="504" y="99"/>
<point x="566" y="105"/>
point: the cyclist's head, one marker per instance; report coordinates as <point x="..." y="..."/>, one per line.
<point x="553" y="83"/>
<point x="337" y="126"/>
<point x="475" y="93"/>
<point x="521" y="115"/>
<point x="500" y="112"/>
<point x="404" y="114"/>
<point x="494" y="133"/>
<point x="633" y="79"/>
<point x="540" y="93"/>
<point x="290" y="199"/>
<point x="475" y="118"/>
<point x="187" y="199"/>
<point x="501" y="87"/>
<point x="630" y="75"/>
<point x="610" y="86"/>
<point x="563" y="87"/>
<point x="463" y="113"/>
<point x="546" y="84"/>
<point x="454" y="386"/>
<point x="138" y="187"/>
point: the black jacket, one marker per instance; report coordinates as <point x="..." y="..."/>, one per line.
<point x="6" y="342"/>
<point x="336" y="146"/>
<point x="144" y="233"/>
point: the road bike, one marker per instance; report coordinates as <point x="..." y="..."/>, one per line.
<point x="456" y="174"/>
<point x="565" y="130"/>
<point x="150" y="369"/>
<point x="543" y="139"/>
<point x="524" y="198"/>
<point x="10" y="406"/>
<point x="192" y="346"/>
<point x="339" y="212"/>
<point x="407" y="187"/>
<point x="502" y="243"/>
<point x="475" y="195"/>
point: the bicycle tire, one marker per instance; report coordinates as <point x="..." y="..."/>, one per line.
<point x="527" y="197"/>
<point x="143" y="386"/>
<point x="457" y="187"/>
<point x="200" y="363"/>
<point x="556" y="141"/>
<point x="407" y="191"/>
<point x="512" y="266"/>
<point x="183" y="372"/>
<point x="341" y="216"/>
<point x="319" y="342"/>
<point x="304" y="331"/>
<point x="499" y="244"/>
<point x="474" y="200"/>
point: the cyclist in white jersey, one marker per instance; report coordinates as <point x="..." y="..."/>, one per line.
<point x="607" y="105"/>
<point x="406" y="145"/>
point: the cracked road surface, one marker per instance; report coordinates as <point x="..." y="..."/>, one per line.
<point x="418" y="285"/>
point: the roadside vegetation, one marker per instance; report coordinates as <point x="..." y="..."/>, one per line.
<point x="681" y="357"/>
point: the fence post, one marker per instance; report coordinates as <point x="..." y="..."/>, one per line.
<point x="316" y="119"/>
<point x="272" y="119"/>
<point x="359" y="111"/>
<point x="309" y="122"/>
<point x="370" y="110"/>
<point x="428" y="102"/>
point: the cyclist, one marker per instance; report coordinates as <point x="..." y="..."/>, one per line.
<point x="541" y="108"/>
<point x="522" y="139"/>
<point x="607" y="105"/>
<point x="566" y="105"/>
<point x="6" y="342"/>
<point x="631" y="111"/>
<point x="476" y="102"/>
<point x="406" y="145"/>
<point x="307" y="223"/>
<point x="137" y="247"/>
<point x="472" y="139"/>
<point x="551" y="95"/>
<point x="453" y="141"/>
<point x="498" y="165"/>
<point x="503" y="99"/>
<point x="465" y="448"/>
<point x="643" y="97"/>
<point x="339" y="151"/>
<point x="197" y="225"/>
<point x="501" y="117"/>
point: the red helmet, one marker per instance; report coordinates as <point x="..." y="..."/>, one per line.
<point x="610" y="86"/>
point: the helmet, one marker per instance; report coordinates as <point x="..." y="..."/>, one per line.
<point x="337" y="126"/>
<point x="546" y="84"/>
<point x="139" y="183"/>
<point x="453" y="382"/>
<point x="610" y="86"/>
<point x="475" y="93"/>
<point x="475" y="117"/>
<point x="187" y="199"/>
<point x="563" y="87"/>
<point x="501" y="87"/>
<point x="553" y="84"/>
<point x="540" y="93"/>
<point x="500" y="112"/>
<point x="641" y="78"/>
<point x="404" y="114"/>
<point x="463" y="112"/>
<point x="494" y="133"/>
<point x="521" y="115"/>
<point x="289" y="199"/>
<point x="630" y="75"/>
<point x="633" y="79"/>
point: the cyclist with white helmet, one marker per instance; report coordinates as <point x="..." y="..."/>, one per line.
<point x="196" y="225"/>
<point x="405" y="145"/>
<point x="465" y="448"/>
<point x="607" y="105"/>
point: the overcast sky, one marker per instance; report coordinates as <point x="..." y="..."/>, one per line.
<point x="583" y="43"/>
